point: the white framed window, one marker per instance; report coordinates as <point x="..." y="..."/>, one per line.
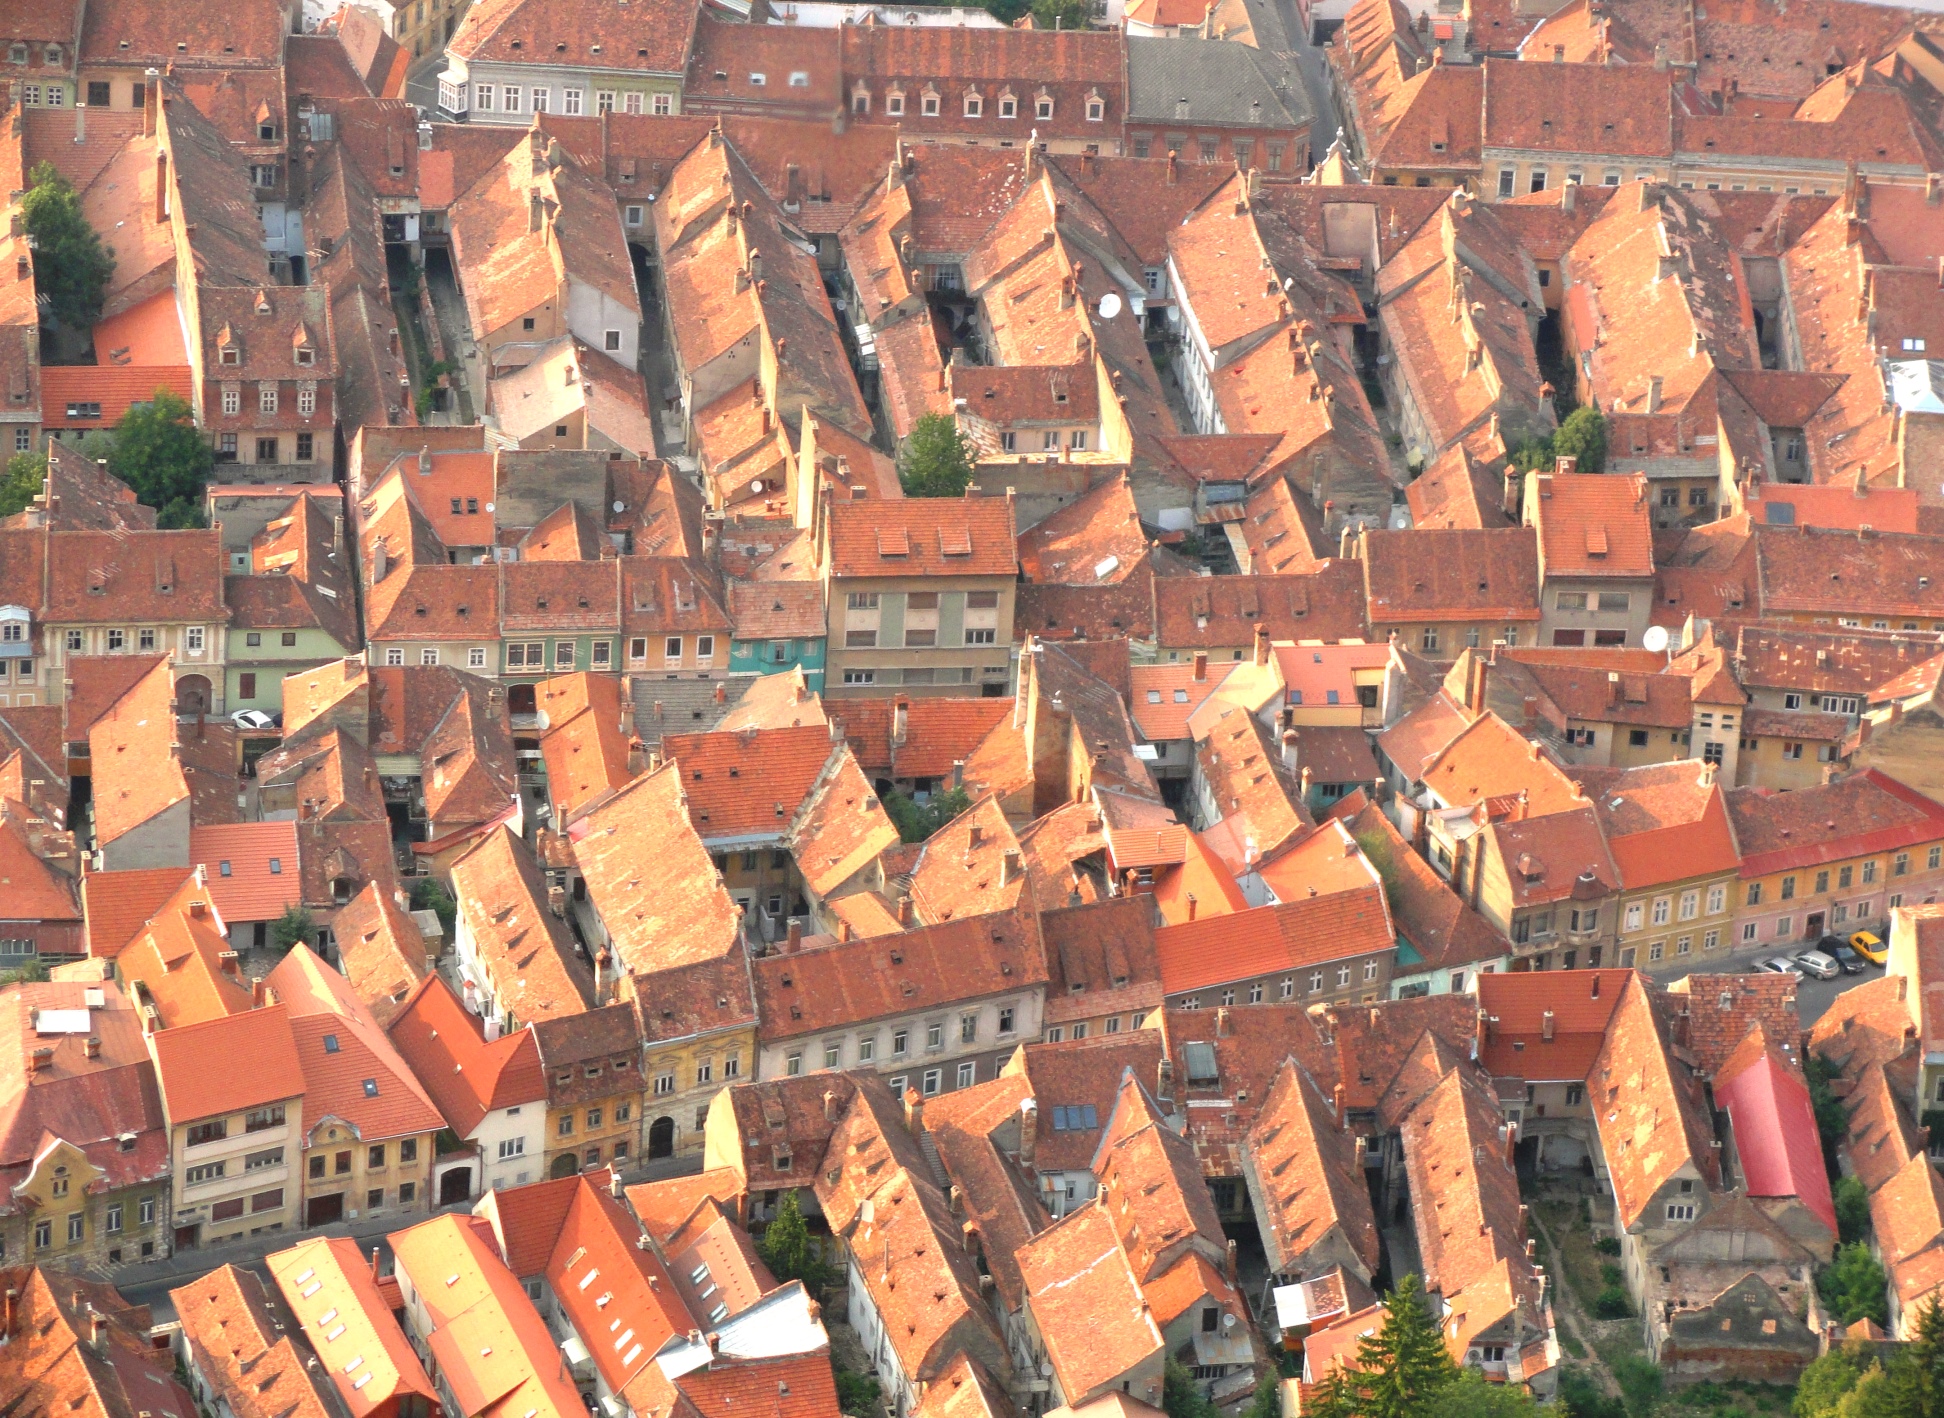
<point x="894" y="105"/>
<point x="563" y="654"/>
<point x="192" y="639"/>
<point x="974" y="106"/>
<point x="1717" y="899"/>
<point x="1008" y="107"/>
<point x="1043" y="108"/>
<point x="512" y="98"/>
<point x="306" y="400"/>
<point x="571" y="101"/>
<point x="395" y="656"/>
<point x="704" y="650"/>
<point x="1662" y="906"/>
<point x="634" y="214"/>
<point x="541" y="98"/>
<point x="934" y="1080"/>
<point x="604" y="100"/>
<point x="611" y="341"/>
<point x="799" y="78"/>
<point x="664" y="105"/>
<point x="1634" y="916"/>
<point x="928" y="105"/>
<point x="757" y="80"/>
<point x="476" y="658"/>
<point x="232" y="399"/>
<point x="603" y="654"/>
<point x="266" y="398"/>
<point x="483" y="98"/>
<point x="631" y="103"/>
<point x="1096" y="110"/>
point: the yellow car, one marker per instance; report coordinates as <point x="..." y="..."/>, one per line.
<point x="1869" y="946"/>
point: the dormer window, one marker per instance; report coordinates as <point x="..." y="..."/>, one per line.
<point x="1096" y="108"/>
<point x="860" y="100"/>
<point x="757" y="81"/>
<point x="18" y="54"/>
<point x="894" y="103"/>
<point x="974" y="106"/>
<point x="306" y="355"/>
<point x="231" y="355"/>
<point x="928" y="105"/>
<point x="267" y="132"/>
<point x="1043" y="107"/>
<point x="54" y="55"/>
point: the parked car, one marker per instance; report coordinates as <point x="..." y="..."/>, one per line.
<point x="1838" y="949"/>
<point x="254" y="720"/>
<point x="1814" y="962"/>
<point x="1780" y="965"/>
<point x="1870" y="946"/>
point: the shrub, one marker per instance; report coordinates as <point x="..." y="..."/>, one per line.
<point x="1612" y="1304"/>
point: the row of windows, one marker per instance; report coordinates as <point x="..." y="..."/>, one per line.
<point x="1664" y="907"/>
<point x="513" y="98"/>
<point x="1049" y="441"/>
<point x="1431" y="638"/>
<point x="1847" y="876"/>
<point x="1607" y="602"/>
<point x="1258" y="991"/>
<point x="1111" y="1025"/>
<point x="112" y="1220"/>
<point x="935" y="1031"/>
<point x="971" y="104"/>
<point x="194" y="638"/>
<point x="269" y="448"/>
<point x="1209" y="149"/>
<point x="1839" y="913"/>
<point x="623" y="1112"/>
<point x="269" y="399"/>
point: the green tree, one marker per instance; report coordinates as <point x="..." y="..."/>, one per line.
<point x="1376" y="847"/>
<point x="162" y="455"/>
<point x="26" y="476"/>
<point x="937" y="459"/>
<point x="858" y="1394"/>
<point x="28" y="972"/>
<point x="1583" y="436"/>
<point x="916" y="822"/>
<point x="1181" y="1396"/>
<point x="1853" y="1285"/>
<point x="1472" y="1396"/>
<point x="71" y="266"/>
<point x="1062" y="14"/>
<point x="429" y="895"/>
<point x="295" y="927"/>
<point x="1582" y="1397"/>
<point x="1267" y="1402"/>
<point x="1925" y="1356"/>
<point x="1881" y="1393"/>
<point x="1826" y="1380"/>
<point x="786" y="1247"/>
<point x="1405" y="1362"/>
<point x="1832" y="1118"/>
<point x="1852" y="1210"/>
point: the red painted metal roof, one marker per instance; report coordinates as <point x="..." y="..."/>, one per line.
<point x="1775" y="1133"/>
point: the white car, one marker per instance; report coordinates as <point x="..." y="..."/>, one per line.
<point x="1780" y="965"/>
<point x="254" y="719"/>
<point x="1814" y="962"/>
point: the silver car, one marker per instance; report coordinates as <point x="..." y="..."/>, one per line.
<point x="1814" y="962"/>
<point x="1780" y="965"/>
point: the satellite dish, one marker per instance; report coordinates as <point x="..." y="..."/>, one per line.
<point x="1110" y="305"/>
<point x="620" y="506"/>
<point x="1655" y="639"/>
<point x="756" y="486"/>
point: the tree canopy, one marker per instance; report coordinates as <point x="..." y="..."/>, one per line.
<point x="161" y="453"/>
<point x="25" y="476"/>
<point x="1404" y="1370"/>
<point x="71" y="266"/>
<point x="937" y="459"/>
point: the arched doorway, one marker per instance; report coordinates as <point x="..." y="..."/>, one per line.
<point x="455" y="1186"/>
<point x="661" y="1138"/>
<point x="192" y="695"/>
<point x="520" y="699"/>
<point x="565" y="1165"/>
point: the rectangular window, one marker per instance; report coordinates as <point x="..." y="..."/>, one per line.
<point x="483" y="98"/>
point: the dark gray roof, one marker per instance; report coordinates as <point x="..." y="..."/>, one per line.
<point x="683" y="706"/>
<point x="1212" y="81"/>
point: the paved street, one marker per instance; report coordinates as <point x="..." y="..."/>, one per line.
<point x="1813" y="997"/>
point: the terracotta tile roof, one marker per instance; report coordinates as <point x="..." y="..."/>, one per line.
<point x="972" y="866"/>
<point x="1865" y="812"/>
<point x="53" y="1356"/>
<point x="328" y="1283"/>
<point x="323" y="775"/>
<point x="381" y="949"/>
<point x="750" y="783"/>
<point x="466" y="1075"/>
<point x="841" y="827"/>
<point x="492" y="1350"/>
<point x="104" y="1103"/>
<point x="1164" y="696"/>
<point x="1489" y="759"/>
<point x="1455" y="1149"/>
<point x="1871" y="1023"/>
<point x="1560" y="857"/>
<point x="1430" y="917"/>
<point x="921" y="537"/>
<point x="977" y="1132"/>
<point x="1880" y="1136"/>
<point x="597" y="1242"/>
<point x="847" y="982"/>
<point x="250" y="868"/>
<point x="192" y="1064"/>
<point x="1651" y="1121"/>
<point x="140" y="726"/>
<point x="1101" y="953"/>
<point x="1592" y="525"/>
<point x="235" y="1333"/>
<point x="1806" y="658"/>
<point x="1087" y="1302"/>
<point x="776" y="610"/>
<point x="1077" y="543"/>
<point x="585" y="742"/>
<point x="1720" y="1012"/>
<point x="177" y="959"/>
<point x="527" y="951"/>
<point x="117" y="904"/>
<point x="1294" y="934"/>
<point x="1809" y="570"/>
<point x="1456" y="574"/>
<point x="670" y="908"/>
<point x="351" y="1070"/>
<point x="1220" y="612"/>
<point x="1662" y="823"/>
<point x="790" y="1386"/>
<point x="1325" y="1191"/>
<point x="1907" y="1216"/>
<point x="667" y="1205"/>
